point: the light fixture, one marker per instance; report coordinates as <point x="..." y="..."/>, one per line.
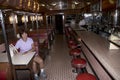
<point x="40" y="18"/>
<point x="24" y="18"/>
<point x="32" y="18"/>
<point x="53" y="4"/>
<point x="61" y="4"/>
<point x="29" y="3"/>
<point x="50" y="9"/>
<point x="16" y="21"/>
<point x="38" y="7"/>
<point x="43" y="5"/>
<point x="87" y="15"/>
<point x="88" y="3"/>
<point x="75" y="2"/>
<point x="13" y="19"/>
<point x="111" y="1"/>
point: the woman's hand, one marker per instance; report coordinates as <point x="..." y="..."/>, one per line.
<point x="15" y="52"/>
<point x="25" y="52"/>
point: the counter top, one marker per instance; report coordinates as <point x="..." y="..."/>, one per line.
<point x="100" y="49"/>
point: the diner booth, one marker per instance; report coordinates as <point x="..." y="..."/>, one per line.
<point x="93" y="47"/>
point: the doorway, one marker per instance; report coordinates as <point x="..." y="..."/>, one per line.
<point x="59" y="24"/>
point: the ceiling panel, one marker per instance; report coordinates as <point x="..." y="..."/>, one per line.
<point x="65" y="4"/>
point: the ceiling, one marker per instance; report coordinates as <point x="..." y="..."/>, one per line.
<point x="65" y="4"/>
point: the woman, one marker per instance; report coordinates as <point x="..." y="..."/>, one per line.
<point x="26" y="45"/>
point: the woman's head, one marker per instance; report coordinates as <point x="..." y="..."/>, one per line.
<point x="23" y="34"/>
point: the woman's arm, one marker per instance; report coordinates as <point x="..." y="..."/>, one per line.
<point x="31" y="50"/>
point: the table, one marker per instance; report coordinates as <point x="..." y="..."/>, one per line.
<point x="23" y="62"/>
<point x="19" y="62"/>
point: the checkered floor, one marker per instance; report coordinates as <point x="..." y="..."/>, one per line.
<point x="58" y="63"/>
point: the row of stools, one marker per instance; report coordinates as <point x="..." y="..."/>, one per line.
<point x="79" y="64"/>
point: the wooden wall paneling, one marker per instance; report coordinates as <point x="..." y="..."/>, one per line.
<point x="24" y="4"/>
<point x="30" y="5"/>
<point x="12" y="3"/>
<point x="2" y="1"/>
<point x="19" y="4"/>
<point x="108" y="5"/>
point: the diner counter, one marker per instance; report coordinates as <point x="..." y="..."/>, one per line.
<point x="99" y="46"/>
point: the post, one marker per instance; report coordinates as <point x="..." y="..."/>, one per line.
<point x="6" y="41"/>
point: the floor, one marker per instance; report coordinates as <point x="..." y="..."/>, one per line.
<point x="58" y="63"/>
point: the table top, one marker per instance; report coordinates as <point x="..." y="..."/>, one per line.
<point x="22" y="59"/>
<point x="18" y="59"/>
<point x="99" y="46"/>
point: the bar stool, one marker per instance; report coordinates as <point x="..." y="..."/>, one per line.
<point x="71" y="41"/>
<point x="72" y="45"/>
<point x="85" y="76"/>
<point x="75" y="52"/>
<point x="79" y="64"/>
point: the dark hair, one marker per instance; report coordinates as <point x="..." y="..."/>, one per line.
<point x="22" y="31"/>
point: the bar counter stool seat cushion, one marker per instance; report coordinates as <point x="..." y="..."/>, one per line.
<point x="71" y="41"/>
<point x="72" y="45"/>
<point x="85" y="76"/>
<point x="78" y="63"/>
<point x="75" y="52"/>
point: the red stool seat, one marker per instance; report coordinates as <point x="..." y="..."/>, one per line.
<point x="75" y="52"/>
<point x="71" y="41"/>
<point x="78" y="63"/>
<point x="86" y="76"/>
<point x="72" y="45"/>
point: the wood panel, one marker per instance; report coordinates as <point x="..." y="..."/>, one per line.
<point x="108" y="5"/>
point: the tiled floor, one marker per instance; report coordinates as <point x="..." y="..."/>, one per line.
<point x="58" y="63"/>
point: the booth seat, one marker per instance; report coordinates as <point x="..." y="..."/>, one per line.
<point x="5" y="71"/>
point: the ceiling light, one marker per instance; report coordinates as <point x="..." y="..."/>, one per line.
<point x="53" y="4"/>
<point x="76" y="3"/>
<point x="61" y="4"/>
<point x="88" y="3"/>
<point x="42" y="4"/>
